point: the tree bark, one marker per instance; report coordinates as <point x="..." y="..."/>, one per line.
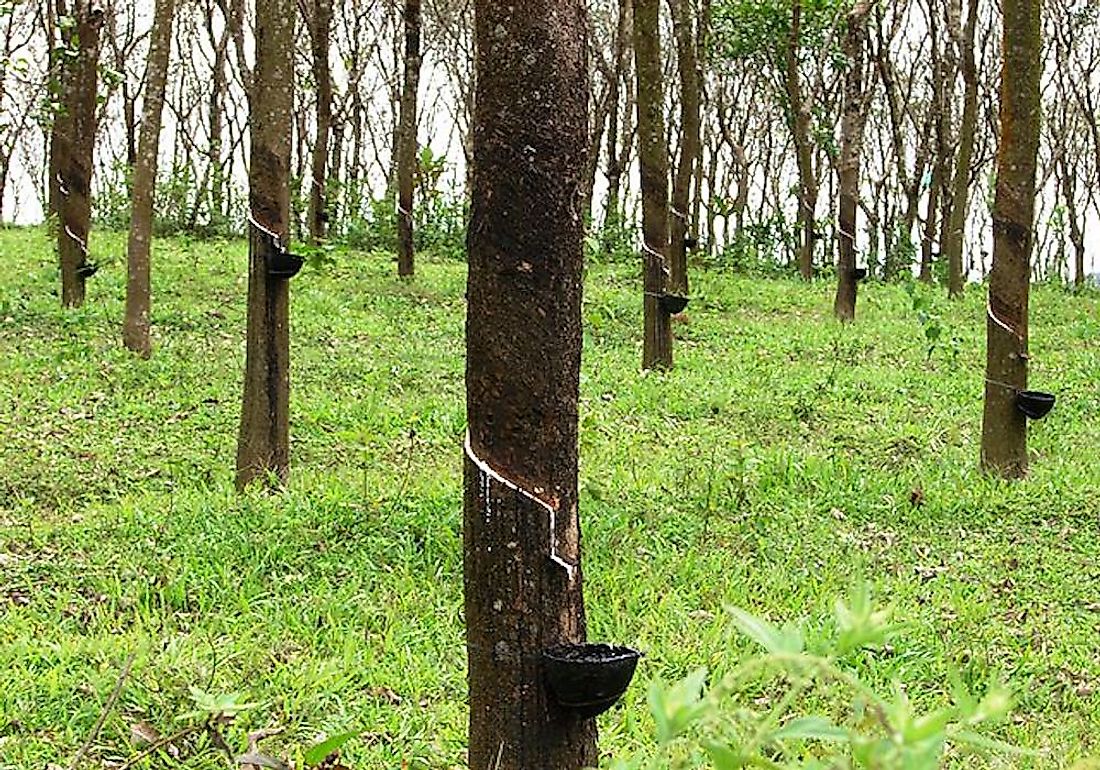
<point x="681" y="222"/>
<point x="406" y="140"/>
<point x="960" y="205"/>
<point x="851" y="146"/>
<point x="800" y="122"/>
<point x="620" y="106"/>
<point x="135" y="325"/>
<point x="72" y="143"/>
<point x="263" y="444"/>
<point x="1004" y="428"/>
<point x="320" y="26"/>
<point x="1076" y="226"/>
<point x="523" y="342"/>
<point x="653" y="163"/>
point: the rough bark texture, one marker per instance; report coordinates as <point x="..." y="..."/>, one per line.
<point x="653" y="163"/>
<point x="956" y="228"/>
<point x="135" y="325"/>
<point x="406" y="139"/>
<point x="320" y="25"/>
<point x="523" y="343"/>
<point x="680" y="223"/>
<point x="1004" y="429"/>
<point x="800" y="121"/>
<point x="72" y="142"/>
<point x="851" y="147"/>
<point x="263" y="444"/>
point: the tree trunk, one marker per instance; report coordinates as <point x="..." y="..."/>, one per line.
<point x="523" y="342"/>
<point x="681" y="223"/>
<point x="263" y="444"/>
<point x="851" y="146"/>
<point x="135" y="326"/>
<point x="406" y="140"/>
<point x="1004" y="428"/>
<point x="72" y="143"/>
<point x="620" y="106"/>
<point x="800" y="122"/>
<point x="956" y="230"/>
<point x="653" y="162"/>
<point x="216" y="109"/>
<point x="322" y="74"/>
<point x="928" y="236"/>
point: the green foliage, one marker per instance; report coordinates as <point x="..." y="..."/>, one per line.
<point x="439" y="217"/>
<point x="736" y="728"/>
<point x="764" y="248"/>
<point x="759" y="31"/>
<point x="614" y="241"/>
<point x="923" y="304"/>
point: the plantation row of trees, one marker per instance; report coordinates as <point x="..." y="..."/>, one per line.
<point x="544" y="104"/>
<point x="772" y="114"/>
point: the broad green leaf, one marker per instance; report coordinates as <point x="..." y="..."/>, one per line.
<point x="316" y="754"/>
<point x="722" y="756"/>
<point x="675" y="708"/>
<point x="774" y="640"/>
<point x="992" y="744"/>
<point x="811" y="727"/>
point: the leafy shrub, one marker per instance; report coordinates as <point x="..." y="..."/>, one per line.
<point x="755" y="715"/>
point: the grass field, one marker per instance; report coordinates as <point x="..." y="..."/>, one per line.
<point x="785" y="457"/>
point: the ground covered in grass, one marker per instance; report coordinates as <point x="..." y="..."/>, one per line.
<point x="785" y="457"/>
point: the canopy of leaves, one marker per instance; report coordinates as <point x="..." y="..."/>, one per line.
<point x="754" y="30"/>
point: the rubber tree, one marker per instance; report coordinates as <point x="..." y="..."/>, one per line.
<point x="684" y="22"/>
<point x="135" y="325"/>
<point x="800" y="123"/>
<point x="263" y="443"/>
<point x="1004" y="428"/>
<point x="406" y="140"/>
<point x="320" y="26"/>
<point x="72" y="141"/>
<point x="653" y="167"/>
<point x="522" y="575"/>
<point x="852" y="122"/>
<point x="960" y="205"/>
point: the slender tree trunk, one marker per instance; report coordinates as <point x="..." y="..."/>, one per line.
<point x="800" y="121"/>
<point x="620" y="106"/>
<point x="653" y="162"/>
<point x="216" y="110"/>
<point x="680" y="223"/>
<point x="956" y="230"/>
<point x="851" y="147"/>
<point x="1004" y="428"/>
<point x="927" y="252"/>
<point x="320" y="27"/>
<point x="72" y="143"/>
<point x="406" y="140"/>
<point x="135" y="325"/>
<point x="523" y="342"/>
<point x="263" y="445"/>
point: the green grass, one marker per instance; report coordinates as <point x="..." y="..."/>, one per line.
<point x="775" y="465"/>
